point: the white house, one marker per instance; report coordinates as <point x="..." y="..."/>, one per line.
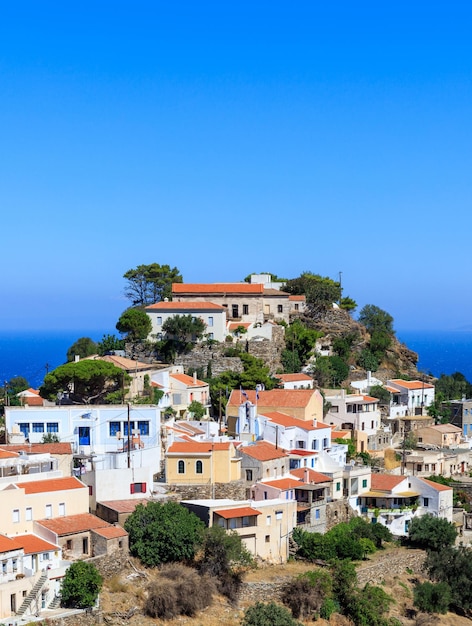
<point x="291" y="433"/>
<point x="409" y="397"/>
<point x="295" y="381"/>
<point x="213" y="316"/>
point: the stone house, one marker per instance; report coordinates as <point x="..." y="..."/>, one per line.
<point x="440" y="435"/>
<point x="262" y="459"/>
<point x="213" y="316"/>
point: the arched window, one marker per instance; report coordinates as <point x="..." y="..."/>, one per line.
<point x="199" y="467"/>
<point x="181" y="467"/>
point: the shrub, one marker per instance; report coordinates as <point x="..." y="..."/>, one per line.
<point x="432" y="533"/>
<point x="81" y="585"/>
<point x="432" y="598"/>
<point x="178" y="591"/>
<point x="307" y="593"/>
<point x="270" y="614"/>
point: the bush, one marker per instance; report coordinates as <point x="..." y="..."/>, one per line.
<point x="178" y="591"/>
<point x="307" y="593"/>
<point x="80" y="586"/>
<point x="270" y="614"/>
<point x="432" y="533"/>
<point x="432" y="598"/>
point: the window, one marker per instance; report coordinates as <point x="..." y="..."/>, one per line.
<point x="245" y="309"/>
<point x="296" y="307"/>
<point x="372" y="423"/>
<point x="364" y="483"/>
<point x="4" y="567"/>
<point x="268" y="520"/>
<point x="38" y="427"/>
<point x="29" y="514"/>
<point x="62" y="509"/>
<point x="69" y="544"/>
<point x="45" y="556"/>
<point x="143" y="428"/>
<point x="363" y="426"/>
<point x="245" y="521"/>
<point x="84" y="435"/>
<point x="338" y="486"/>
<point x="334" y="409"/>
<point x="210" y="321"/>
<point x="198" y="467"/>
<point x="211" y="335"/>
<point x="280" y="308"/>
<point x="14" y="565"/>
<point x="90" y="490"/>
<point x="267" y="538"/>
<point x="426" y="502"/>
<point x="114" y="428"/>
<point x="317" y="514"/>
<point x="265" y="495"/>
<point x="279" y="515"/>
<point x="235" y="310"/>
<point x="325" y="443"/>
<point x="125" y="428"/>
<point x="181" y="467"/>
<point x="159" y="321"/>
<point x="176" y="398"/>
<point x="85" y="545"/>
<point x="24" y="428"/>
<point x="48" y="511"/>
<point x="52" y="427"/>
<point x="137" y="488"/>
<point x="249" y="474"/>
<point x="16" y="516"/>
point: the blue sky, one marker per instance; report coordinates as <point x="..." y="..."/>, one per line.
<point x="233" y="137"/>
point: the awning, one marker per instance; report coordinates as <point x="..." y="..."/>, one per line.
<point x="244" y="511"/>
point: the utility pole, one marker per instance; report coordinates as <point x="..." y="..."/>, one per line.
<point x="129" y="438"/>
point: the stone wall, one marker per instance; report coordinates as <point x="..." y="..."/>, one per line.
<point x="235" y="490"/>
<point x="338" y="511"/>
<point x="391" y="565"/>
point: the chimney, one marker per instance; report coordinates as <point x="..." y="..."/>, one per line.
<point x="195" y="378"/>
<point x="306" y="474"/>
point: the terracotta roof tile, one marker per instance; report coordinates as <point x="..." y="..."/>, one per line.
<point x="297" y="298"/>
<point x="313" y="477"/>
<point x="188" y="380"/>
<point x="185" y="306"/>
<point x="283" y="483"/>
<point x="235" y="325"/>
<point x="52" y="484"/>
<point x="32" y="544"/>
<point x="385" y="482"/>
<point x="435" y="485"/>
<point x="7" y="544"/>
<point x="217" y="288"/>
<point x="244" y="511"/>
<point x="6" y="454"/>
<point x="288" y="378"/>
<point x="40" y="448"/>
<point x="294" y="422"/>
<point x="296" y="398"/>
<point x="71" y="524"/>
<point x="198" y="447"/>
<point x="411" y="384"/>
<point x="263" y="451"/>
<point x="121" y="362"/>
<point x="124" y="506"/>
<point x="111" y="532"/>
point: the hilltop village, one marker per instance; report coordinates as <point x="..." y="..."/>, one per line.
<point x="306" y="452"/>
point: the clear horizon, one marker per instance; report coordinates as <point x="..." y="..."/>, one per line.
<point x="227" y="139"/>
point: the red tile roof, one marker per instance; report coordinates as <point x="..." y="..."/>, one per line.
<point x="32" y="544"/>
<point x="411" y="384"/>
<point x="283" y="483"/>
<point x="197" y="447"/>
<point x="263" y="451"/>
<point x="8" y="544"/>
<point x="71" y="524"/>
<point x="185" y="306"/>
<point x="292" y="422"/>
<point x="436" y="486"/>
<point x="52" y="484"/>
<point x="128" y="365"/>
<point x="218" y="288"/>
<point x="288" y="378"/>
<point x="40" y="448"/>
<point x="111" y="532"/>
<point x="5" y="454"/>
<point x="244" y="511"/>
<point x="385" y="482"/>
<point x="300" y="452"/>
<point x="235" y="325"/>
<point x="297" y="298"/>
<point x="124" y="506"/>
<point x="188" y="380"/>
<point x="289" y="398"/>
<point x="313" y="477"/>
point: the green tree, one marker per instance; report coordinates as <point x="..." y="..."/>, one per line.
<point x="307" y="593"/>
<point x="301" y="340"/>
<point x="330" y="371"/>
<point x="196" y="409"/>
<point x="320" y="292"/>
<point x="432" y="598"/>
<point x="183" y="330"/>
<point x="342" y="346"/>
<point x="368" y="606"/>
<point x="348" y="304"/>
<point x="163" y="533"/>
<point x="270" y="614"/>
<point x="81" y="585"/>
<point x="109" y="343"/>
<point x="375" y="319"/>
<point x="453" y="566"/>
<point x="432" y="533"/>
<point x="136" y="323"/>
<point x="148" y="284"/>
<point x="384" y="396"/>
<point x="50" y="438"/>
<point x="86" y="382"/>
<point x="368" y="361"/>
<point x="17" y="384"/>
<point x="82" y="348"/>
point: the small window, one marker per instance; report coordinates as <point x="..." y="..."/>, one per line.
<point x="268" y="520"/>
<point x="267" y="538"/>
<point x="249" y="474"/>
<point x="317" y="514"/>
<point x="198" y="467"/>
<point x="338" y="486"/>
<point x="143" y="428"/>
<point x="38" y="427"/>
<point x="279" y="515"/>
<point x="114" y="428"/>
<point x="245" y="309"/>
<point x="85" y="545"/>
<point x="14" y="565"/>
<point x="52" y="427"/>
<point x="48" y="511"/>
<point x="280" y="308"/>
<point x="62" y="509"/>
<point x="296" y="307"/>
<point x="90" y="490"/>
<point x="210" y="321"/>
<point x="364" y="483"/>
<point x="425" y="502"/>
<point x="159" y="321"/>
<point x="29" y="514"/>
<point x="137" y="488"/>
<point x="16" y="516"/>
<point x="181" y="467"/>
<point x="69" y="544"/>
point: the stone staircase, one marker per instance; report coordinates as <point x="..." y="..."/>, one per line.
<point x="33" y="594"/>
<point x="56" y="601"/>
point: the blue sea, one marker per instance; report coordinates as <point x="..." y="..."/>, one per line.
<point x="31" y="354"/>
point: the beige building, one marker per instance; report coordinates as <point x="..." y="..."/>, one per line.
<point x="212" y="315"/>
<point x="197" y="463"/>
<point x="26" y="502"/>
<point x="264" y="527"/>
<point x="441" y="435"/>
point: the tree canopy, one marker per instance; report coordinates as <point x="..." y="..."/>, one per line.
<point x="86" y="382"/>
<point x="431" y="533"/>
<point x="163" y="533"/>
<point x="148" y="284"/>
<point x="82" y="348"/>
<point x="81" y="585"/>
<point x="110" y="343"/>
<point x="136" y="323"/>
<point x="453" y="566"/>
<point x="375" y="319"/>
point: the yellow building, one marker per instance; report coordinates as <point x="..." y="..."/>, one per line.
<point x="192" y="462"/>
